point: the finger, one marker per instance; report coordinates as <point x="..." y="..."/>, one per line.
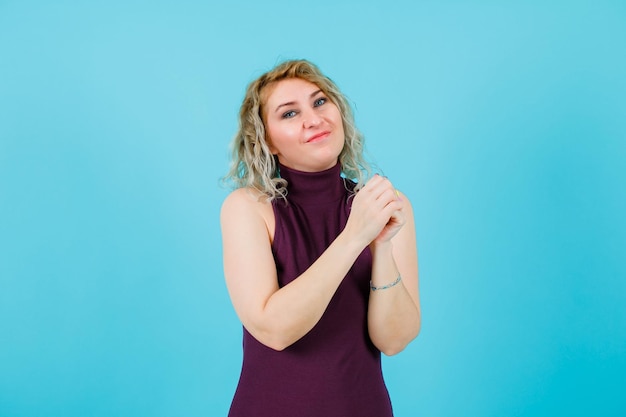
<point x="371" y="183"/>
<point x="378" y="185"/>
<point x="387" y="195"/>
<point x="398" y="216"/>
<point x="394" y="207"/>
<point x="377" y="178"/>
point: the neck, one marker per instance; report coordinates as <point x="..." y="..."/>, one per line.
<point x="313" y="187"/>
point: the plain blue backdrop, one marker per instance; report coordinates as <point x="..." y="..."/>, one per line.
<point x="503" y="121"/>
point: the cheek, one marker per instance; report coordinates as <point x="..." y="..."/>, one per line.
<point x="283" y="133"/>
<point x="337" y="117"/>
<point x="280" y="136"/>
<point x="339" y="124"/>
<point x="270" y="137"/>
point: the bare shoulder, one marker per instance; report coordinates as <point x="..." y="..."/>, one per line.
<point x="247" y="204"/>
<point x="246" y="199"/>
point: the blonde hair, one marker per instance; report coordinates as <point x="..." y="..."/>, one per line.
<point x="253" y="165"/>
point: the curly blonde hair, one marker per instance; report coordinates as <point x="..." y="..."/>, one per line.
<point x="253" y="165"/>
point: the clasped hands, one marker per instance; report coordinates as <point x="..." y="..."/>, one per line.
<point x="377" y="211"/>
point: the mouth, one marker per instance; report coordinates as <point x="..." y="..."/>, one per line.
<point x="318" y="137"/>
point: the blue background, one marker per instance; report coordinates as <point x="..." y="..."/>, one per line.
<point x="503" y="121"/>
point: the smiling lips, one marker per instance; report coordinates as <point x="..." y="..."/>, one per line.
<point x="318" y="137"/>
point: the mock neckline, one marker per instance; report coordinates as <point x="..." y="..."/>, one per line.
<point x="313" y="187"/>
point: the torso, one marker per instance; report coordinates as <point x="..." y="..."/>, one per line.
<point x="334" y="370"/>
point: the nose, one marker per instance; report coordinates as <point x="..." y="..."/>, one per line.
<point x="311" y="119"/>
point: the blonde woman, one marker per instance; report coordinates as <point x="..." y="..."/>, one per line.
<point x="320" y="260"/>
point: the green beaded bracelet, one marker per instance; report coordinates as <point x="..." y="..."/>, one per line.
<point x="384" y="287"/>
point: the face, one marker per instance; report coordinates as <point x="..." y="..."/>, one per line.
<point x="304" y="127"/>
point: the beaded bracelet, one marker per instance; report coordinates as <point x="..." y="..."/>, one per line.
<point x="384" y="287"/>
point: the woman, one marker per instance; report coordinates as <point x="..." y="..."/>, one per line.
<point x="321" y="270"/>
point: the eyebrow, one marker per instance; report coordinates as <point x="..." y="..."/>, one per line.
<point x="291" y="103"/>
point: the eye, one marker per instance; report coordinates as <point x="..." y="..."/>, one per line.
<point x="319" y="101"/>
<point x="289" y="114"/>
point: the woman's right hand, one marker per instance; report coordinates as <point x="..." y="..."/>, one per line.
<point x="376" y="212"/>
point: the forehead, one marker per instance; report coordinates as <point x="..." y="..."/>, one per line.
<point x="290" y="89"/>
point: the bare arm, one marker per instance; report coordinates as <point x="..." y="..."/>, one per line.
<point x="278" y="317"/>
<point x="394" y="317"/>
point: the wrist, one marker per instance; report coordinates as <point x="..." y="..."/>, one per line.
<point x="381" y="248"/>
<point x="386" y="286"/>
<point x="351" y="244"/>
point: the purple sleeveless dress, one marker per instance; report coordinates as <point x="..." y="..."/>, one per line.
<point x="334" y="370"/>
